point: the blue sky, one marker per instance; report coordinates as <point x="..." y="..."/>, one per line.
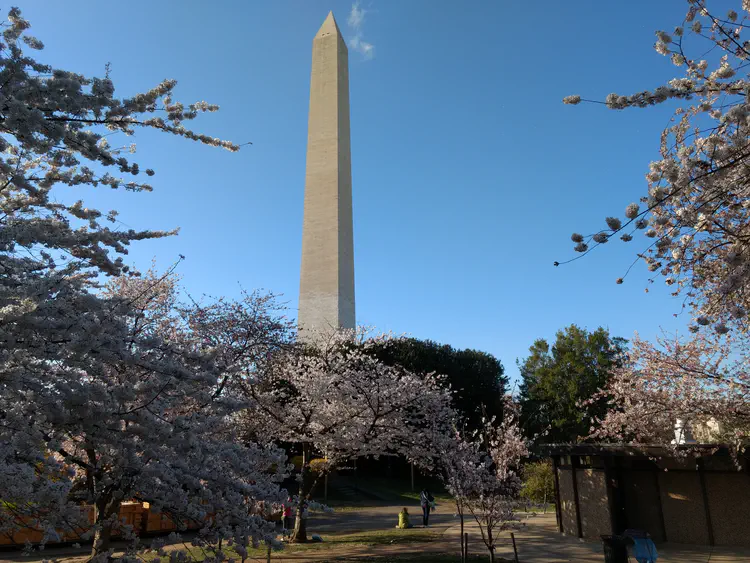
<point x="469" y="173"/>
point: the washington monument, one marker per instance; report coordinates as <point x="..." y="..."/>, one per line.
<point x="326" y="295"/>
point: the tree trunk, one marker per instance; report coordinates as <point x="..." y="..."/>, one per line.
<point x="104" y="508"/>
<point x="464" y="547"/>
<point x="545" y="502"/>
<point x="490" y="544"/>
<point x="102" y="539"/>
<point x="299" y="535"/>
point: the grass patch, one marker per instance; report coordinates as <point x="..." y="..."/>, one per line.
<point x="392" y="536"/>
<point x="536" y="508"/>
<point x="341" y="505"/>
<point x="385" y="546"/>
<point x="332" y="542"/>
<point x="390" y="491"/>
<point x="442" y="498"/>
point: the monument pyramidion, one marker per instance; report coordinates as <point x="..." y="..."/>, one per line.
<point x="326" y="298"/>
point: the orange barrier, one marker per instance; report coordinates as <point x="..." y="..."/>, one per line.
<point x="135" y="514"/>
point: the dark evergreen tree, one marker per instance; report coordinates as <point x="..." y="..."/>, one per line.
<point x="557" y="379"/>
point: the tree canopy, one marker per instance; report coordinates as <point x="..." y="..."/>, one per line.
<point x="538" y="482"/>
<point x="557" y="379"/>
<point x="695" y="215"/>
<point x="106" y="391"/>
<point x="480" y="470"/>
<point x="477" y="378"/>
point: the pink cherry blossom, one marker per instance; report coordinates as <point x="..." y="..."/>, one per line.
<point x="696" y="197"/>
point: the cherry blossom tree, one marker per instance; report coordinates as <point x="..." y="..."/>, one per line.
<point x="103" y="396"/>
<point x="696" y="217"/>
<point x="150" y="424"/>
<point x="703" y="382"/>
<point x="481" y="473"/>
<point x="695" y="214"/>
<point x="457" y="458"/>
<point x="336" y="401"/>
<point x="243" y="334"/>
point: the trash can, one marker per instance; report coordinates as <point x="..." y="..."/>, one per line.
<point x="615" y="549"/>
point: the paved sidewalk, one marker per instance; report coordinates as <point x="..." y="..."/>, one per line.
<point x="540" y="542"/>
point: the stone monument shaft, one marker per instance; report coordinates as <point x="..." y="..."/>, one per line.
<point x="326" y="299"/>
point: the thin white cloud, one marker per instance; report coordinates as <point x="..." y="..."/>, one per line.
<point x="356" y="21"/>
<point x="356" y="16"/>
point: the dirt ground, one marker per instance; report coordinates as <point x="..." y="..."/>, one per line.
<point x="537" y="542"/>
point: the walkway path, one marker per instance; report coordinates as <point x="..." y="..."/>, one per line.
<point x="537" y="542"/>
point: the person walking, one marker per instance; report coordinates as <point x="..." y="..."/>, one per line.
<point x="287" y="521"/>
<point x="426" y="500"/>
